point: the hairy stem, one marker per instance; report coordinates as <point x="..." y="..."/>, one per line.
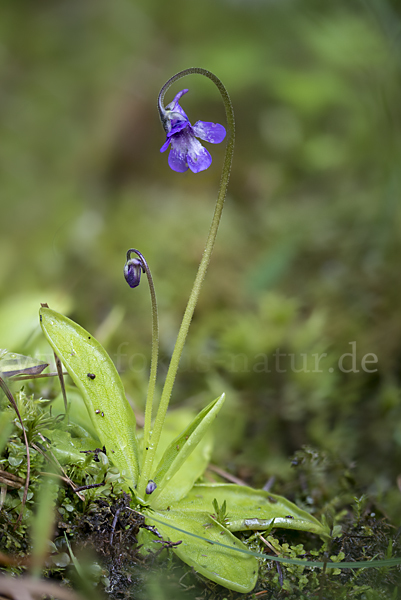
<point x="153" y="368"/>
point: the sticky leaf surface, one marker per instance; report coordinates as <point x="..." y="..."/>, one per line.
<point x="101" y="388"/>
<point x="248" y="509"/>
<point x="176" y="472"/>
<point x="225" y="566"/>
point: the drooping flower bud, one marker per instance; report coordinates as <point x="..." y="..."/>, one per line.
<point x="132" y="272"/>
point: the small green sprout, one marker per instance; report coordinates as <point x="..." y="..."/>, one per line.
<point x="220" y="512"/>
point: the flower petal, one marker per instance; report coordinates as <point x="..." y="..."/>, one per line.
<point x="177" y="159"/>
<point x="210" y="132"/>
<point x="133" y="271"/>
<point x="198" y="157"/>
<point x="165" y="145"/>
<point x="177" y="125"/>
<point x="175" y="107"/>
<point x="175" y="101"/>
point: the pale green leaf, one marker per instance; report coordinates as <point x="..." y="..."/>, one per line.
<point x="178" y="453"/>
<point x="18" y="364"/>
<point x="249" y="509"/>
<point x="76" y="407"/>
<point x="101" y="388"/>
<point x="68" y="449"/>
<point x="194" y="466"/>
<point x="225" y="566"/>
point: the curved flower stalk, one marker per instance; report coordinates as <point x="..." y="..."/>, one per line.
<point x="132" y="272"/>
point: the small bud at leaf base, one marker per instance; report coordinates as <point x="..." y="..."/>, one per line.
<point x="133" y="271"/>
<point x="150" y="487"/>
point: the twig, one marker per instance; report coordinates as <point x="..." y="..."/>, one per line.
<point x="25" y="588"/>
<point x="53" y="460"/>
<point x="113" y="526"/>
<point x="278" y="567"/>
<point x="265" y="541"/>
<point x="269" y="483"/>
<point x="89" y="486"/>
<point x="226" y="475"/>
<point x="38" y="376"/>
<point x="59" y="367"/>
<point x="11" y="480"/>
<point x="165" y="545"/>
<point x="9" y="395"/>
<point x="14" y="561"/>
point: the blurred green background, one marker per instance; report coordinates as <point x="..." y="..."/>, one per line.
<point x="308" y="256"/>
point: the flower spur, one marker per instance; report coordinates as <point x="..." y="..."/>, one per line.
<point x="186" y="151"/>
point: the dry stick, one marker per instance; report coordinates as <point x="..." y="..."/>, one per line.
<point x="61" y="477"/>
<point x="53" y="461"/>
<point x="89" y="486"/>
<point x="226" y="475"/>
<point x="3" y="494"/>
<point x="25" y="588"/>
<point x="113" y="526"/>
<point x="278" y="567"/>
<point x="38" y="376"/>
<point x="59" y="367"/>
<point x="71" y="483"/>
<point x="14" y="561"/>
<point x="9" y="395"/>
<point x="11" y="480"/>
<point x="265" y="541"/>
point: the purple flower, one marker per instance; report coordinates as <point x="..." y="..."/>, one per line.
<point x="186" y="151"/>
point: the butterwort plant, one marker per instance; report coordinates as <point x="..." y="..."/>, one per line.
<point x="162" y="469"/>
